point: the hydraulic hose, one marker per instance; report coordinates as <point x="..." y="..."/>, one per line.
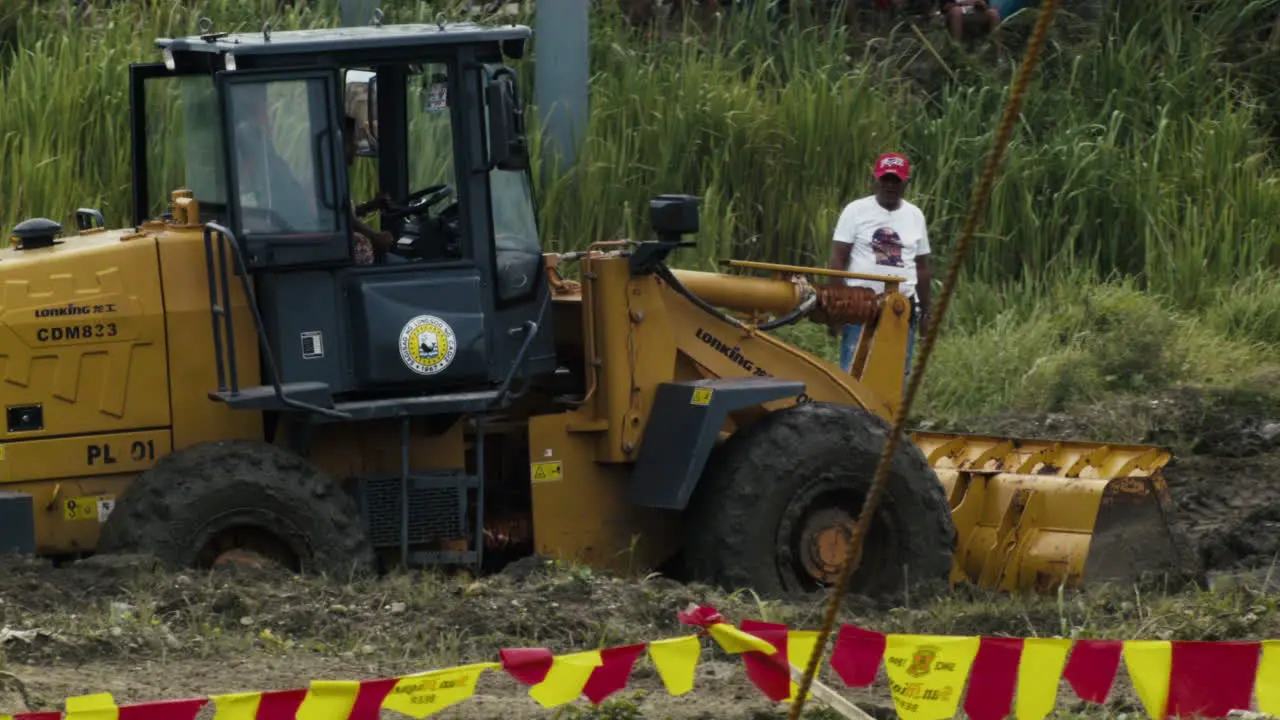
<point x="804" y="307"/>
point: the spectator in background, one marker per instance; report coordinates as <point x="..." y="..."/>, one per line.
<point x="884" y="234"/>
<point x="968" y="19"/>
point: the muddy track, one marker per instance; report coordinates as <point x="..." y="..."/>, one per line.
<point x="1230" y="507"/>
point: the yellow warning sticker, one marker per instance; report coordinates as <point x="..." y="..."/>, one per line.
<point x="88" y="508"/>
<point x="701" y="396"/>
<point x="545" y="471"/>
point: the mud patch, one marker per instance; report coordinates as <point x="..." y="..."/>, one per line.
<point x="1231" y="508"/>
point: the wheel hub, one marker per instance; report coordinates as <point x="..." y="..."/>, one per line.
<point x="825" y="537"/>
<point x="246" y="546"/>
<point x="242" y="557"/>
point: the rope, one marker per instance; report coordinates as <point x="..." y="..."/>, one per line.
<point x="977" y="206"/>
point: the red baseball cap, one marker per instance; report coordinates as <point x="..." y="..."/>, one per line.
<point x="892" y="164"/>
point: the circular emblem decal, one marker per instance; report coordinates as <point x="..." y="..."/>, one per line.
<point x="427" y="345"/>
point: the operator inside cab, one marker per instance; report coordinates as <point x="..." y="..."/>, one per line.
<point x="272" y="198"/>
<point x="366" y="243"/>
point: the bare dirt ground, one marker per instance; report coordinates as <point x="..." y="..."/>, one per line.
<point x="121" y="626"/>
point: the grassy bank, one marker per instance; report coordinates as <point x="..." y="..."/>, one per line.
<point x="1131" y="242"/>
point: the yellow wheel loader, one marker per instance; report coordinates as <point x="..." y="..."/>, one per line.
<point x="223" y="377"/>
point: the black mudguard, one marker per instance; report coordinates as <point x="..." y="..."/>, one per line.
<point x="682" y="431"/>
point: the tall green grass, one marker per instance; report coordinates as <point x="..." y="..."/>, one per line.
<point x="1143" y="167"/>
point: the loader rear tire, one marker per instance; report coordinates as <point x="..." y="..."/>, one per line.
<point x="776" y="490"/>
<point x="238" y="497"/>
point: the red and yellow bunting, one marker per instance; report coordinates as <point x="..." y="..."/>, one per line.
<point x="927" y="676"/>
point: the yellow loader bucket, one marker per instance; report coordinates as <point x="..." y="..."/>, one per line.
<point x="1038" y="514"/>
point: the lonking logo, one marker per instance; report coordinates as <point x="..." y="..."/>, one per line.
<point x="74" y="310"/>
<point x="734" y="353"/>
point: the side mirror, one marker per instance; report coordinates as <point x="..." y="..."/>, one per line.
<point x="508" y="147"/>
<point x="361" y="103"/>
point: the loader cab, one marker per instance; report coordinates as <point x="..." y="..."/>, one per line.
<point x="459" y="308"/>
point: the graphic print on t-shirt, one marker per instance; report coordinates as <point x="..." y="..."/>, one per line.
<point x="886" y="245"/>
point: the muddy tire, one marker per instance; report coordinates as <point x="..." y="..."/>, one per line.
<point x="234" y="496"/>
<point x="776" y="503"/>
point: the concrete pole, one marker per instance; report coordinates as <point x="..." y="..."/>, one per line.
<point x="356" y="12"/>
<point x="561" y="71"/>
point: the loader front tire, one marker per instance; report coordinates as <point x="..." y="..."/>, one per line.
<point x="778" y="500"/>
<point x="238" y="498"/>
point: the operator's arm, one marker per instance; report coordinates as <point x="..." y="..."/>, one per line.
<point x="382" y="240"/>
<point x="924" y="274"/>
<point x="841" y="246"/>
<point x="924" y="278"/>
<point x="381" y="202"/>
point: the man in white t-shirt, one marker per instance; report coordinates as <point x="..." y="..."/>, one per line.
<point x="883" y="234"/>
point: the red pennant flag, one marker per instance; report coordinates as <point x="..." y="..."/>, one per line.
<point x="1210" y="679"/>
<point x="857" y="655"/>
<point x="165" y="710"/>
<point x="772" y="679"/>
<point x="612" y="675"/>
<point x="1091" y="668"/>
<point x="368" y="705"/>
<point x="280" y="704"/>
<point x="993" y="679"/>
<point x="703" y="617"/>
<point x="529" y="666"/>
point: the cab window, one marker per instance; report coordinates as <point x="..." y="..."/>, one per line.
<point x="431" y="157"/>
<point x="278" y="130"/>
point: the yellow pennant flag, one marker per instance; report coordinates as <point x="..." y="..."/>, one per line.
<point x="676" y="660"/>
<point x="92" y="707"/>
<point x="1039" y="674"/>
<point x="328" y="700"/>
<point x="236" y="706"/>
<point x="1267" y="686"/>
<point x="566" y="678"/>
<point x="927" y="673"/>
<point x="1149" y="663"/>
<point x="427" y="693"/>
<point x="800" y="645"/>
<point x="735" y="641"/>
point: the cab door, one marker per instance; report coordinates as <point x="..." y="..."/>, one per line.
<point x="287" y="179"/>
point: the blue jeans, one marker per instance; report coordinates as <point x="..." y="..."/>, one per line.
<point x="849" y="341"/>
<point x="1009" y="7"/>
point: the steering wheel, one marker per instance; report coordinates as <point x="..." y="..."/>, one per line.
<point x="421" y="201"/>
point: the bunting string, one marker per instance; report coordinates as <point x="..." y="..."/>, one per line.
<point x="927" y="676"/>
